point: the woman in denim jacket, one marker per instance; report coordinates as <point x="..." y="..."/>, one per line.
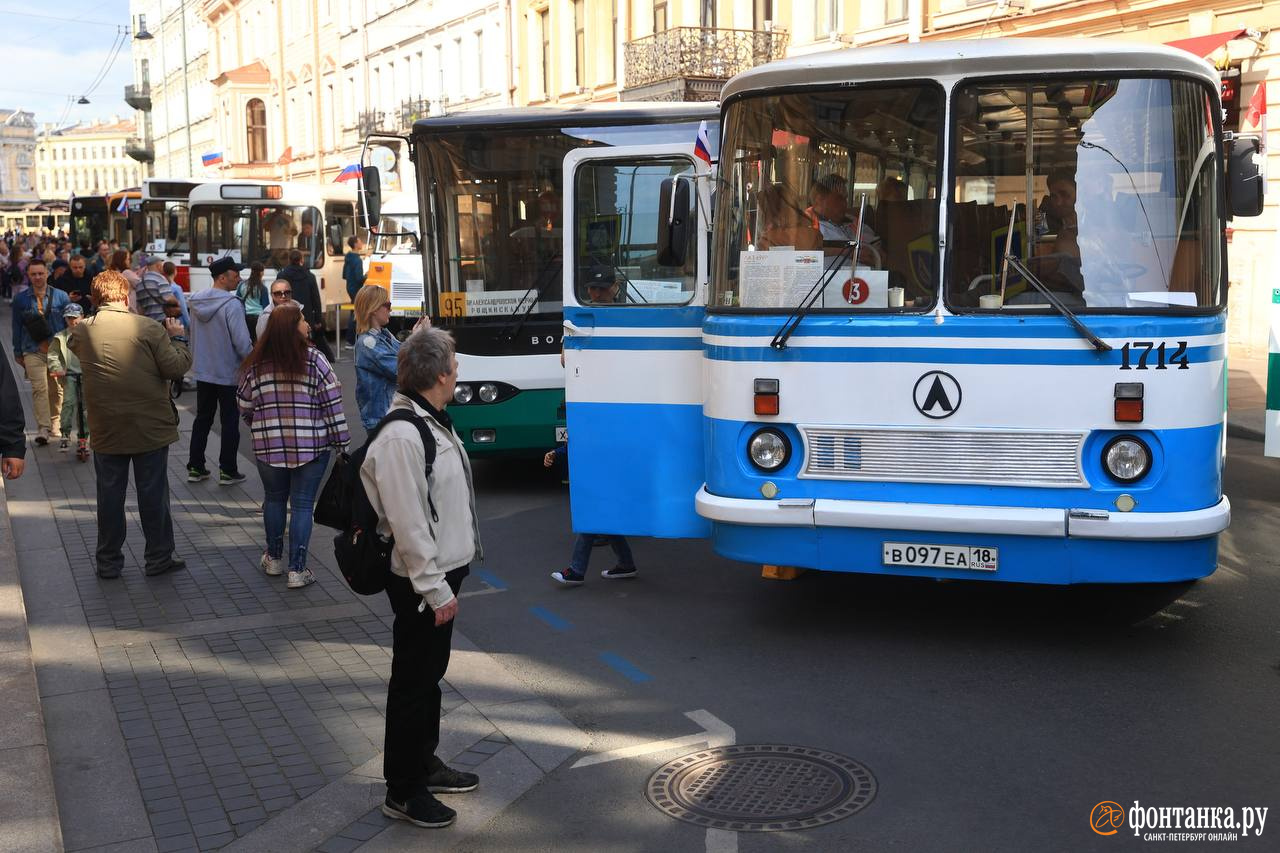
<point x="376" y="352"/>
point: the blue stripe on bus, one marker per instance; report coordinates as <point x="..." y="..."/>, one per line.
<point x="935" y="355"/>
<point x="632" y="317"/>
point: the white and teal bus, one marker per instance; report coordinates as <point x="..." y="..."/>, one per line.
<point x="1024" y="381"/>
<point x="491" y="199"/>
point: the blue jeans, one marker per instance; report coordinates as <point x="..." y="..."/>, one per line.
<point x="295" y="488"/>
<point x="582" y="552"/>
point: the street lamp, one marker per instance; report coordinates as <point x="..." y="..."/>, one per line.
<point x="142" y="34"/>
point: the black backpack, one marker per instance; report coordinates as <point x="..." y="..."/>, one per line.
<point x="364" y="557"/>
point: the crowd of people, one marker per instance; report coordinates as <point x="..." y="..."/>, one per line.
<point x="102" y="344"/>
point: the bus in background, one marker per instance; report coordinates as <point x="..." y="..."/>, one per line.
<point x="263" y="221"/>
<point x="89" y="222"/>
<point x="1023" y="382"/>
<point x="124" y="218"/>
<point x="490" y="186"/>
<point x="165" y="229"/>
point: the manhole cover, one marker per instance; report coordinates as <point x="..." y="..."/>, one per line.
<point x="761" y="788"/>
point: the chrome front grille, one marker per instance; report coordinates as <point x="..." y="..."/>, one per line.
<point x="978" y="457"/>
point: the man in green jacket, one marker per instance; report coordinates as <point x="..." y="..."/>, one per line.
<point x="128" y="362"/>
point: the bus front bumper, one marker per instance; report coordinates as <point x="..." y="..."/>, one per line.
<point x="949" y="518"/>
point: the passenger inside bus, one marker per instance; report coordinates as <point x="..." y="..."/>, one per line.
<point x="309" y="243"/>
<point x="830" y="209"/>
<point x="784" y="222"/>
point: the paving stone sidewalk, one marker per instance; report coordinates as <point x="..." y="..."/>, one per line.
<point x="214" y="708"/>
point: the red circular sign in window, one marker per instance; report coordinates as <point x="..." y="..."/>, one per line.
<point x="855" y="291"/>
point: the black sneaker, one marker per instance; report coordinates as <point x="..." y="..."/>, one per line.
<point x="230" y="478"/>
<point x="195" y="474"/>
<point x="446" y="780"/>
<point x="568" y="578"/>
<point x="423" y="810"/>
<point x="618" y="572"/>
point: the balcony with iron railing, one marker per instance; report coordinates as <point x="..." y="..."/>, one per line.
<point x="372" y="121"/>
<point x="138" y="96"/>
<point x="692" y="63"/>
<point x="142" y="150"/>
<point x="412" y="110"/>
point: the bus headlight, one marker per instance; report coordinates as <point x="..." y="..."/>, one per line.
<point x="463" y="394"/>
<point x="1126" y="458"/>
<point x="769" y="450"/>
<point x="488" y="392"/>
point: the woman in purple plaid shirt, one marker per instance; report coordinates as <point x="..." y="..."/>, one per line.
<point x="292" y="401"/>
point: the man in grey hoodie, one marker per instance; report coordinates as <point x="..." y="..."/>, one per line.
<point x="220" y="340"/>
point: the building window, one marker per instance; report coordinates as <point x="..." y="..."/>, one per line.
<point x="613" y="39"/>
<point x="826" y="17"/>
<point x="478" y="63"/>
<point x="895" y="11"/>
<point x="707" y="14"/>
<point x="544" y="32"/>
<point x="660" y="17"/>
<point x="580" y="43"/>
<point x="255" y="121"/>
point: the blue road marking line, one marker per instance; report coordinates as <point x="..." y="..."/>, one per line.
<point x="625" y="667"/>
<point x="490" y="578"/>
<point x="550" y="618"/>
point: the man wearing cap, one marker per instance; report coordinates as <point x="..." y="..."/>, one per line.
<point x="220" y="340"/>
<point x="153" y="289"/>
<point x="65" y="366"/>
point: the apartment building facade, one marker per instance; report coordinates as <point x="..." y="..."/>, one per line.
<point x="86" y="159"/>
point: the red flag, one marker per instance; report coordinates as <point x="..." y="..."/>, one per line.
<point x="286" y="157"/>
<point x="1257" y="106"/>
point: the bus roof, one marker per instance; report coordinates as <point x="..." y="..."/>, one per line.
<point x="290" y="191"/>
<point x="603" y="114"/>
<point x="969" y="58"/>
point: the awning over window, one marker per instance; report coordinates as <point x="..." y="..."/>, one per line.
<point x="1205" y="45"/>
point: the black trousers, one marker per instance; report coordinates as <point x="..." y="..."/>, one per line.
<point x="321" y="341"/>
<point x="151" y="481"/>
<point x="419" y="658"/>
<point x="211" y="398"/>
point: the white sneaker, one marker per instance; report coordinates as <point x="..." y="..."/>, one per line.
<point x="270" y="566"/>
<point x="297" y="580"/>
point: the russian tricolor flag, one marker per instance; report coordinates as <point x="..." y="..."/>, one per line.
<point x="702" y="145"/>
<point x="211" y="159"/>
<point x="123" y="206"/>
<point x="349" y="174"/>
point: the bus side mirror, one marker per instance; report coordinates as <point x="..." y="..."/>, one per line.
<point x="1245" y="185"/>
<point x="674" y="215"/>
<point x="370" y="197"/>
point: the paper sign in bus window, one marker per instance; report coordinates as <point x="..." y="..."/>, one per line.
<point x="779" y="278"/>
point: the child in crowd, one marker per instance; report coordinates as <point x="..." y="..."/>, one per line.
<point x="64" y="365"/>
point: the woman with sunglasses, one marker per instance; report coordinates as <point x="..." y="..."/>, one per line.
<point x="376" y="352"/>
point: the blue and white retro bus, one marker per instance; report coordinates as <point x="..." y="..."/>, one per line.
<point x="964" y="318"/>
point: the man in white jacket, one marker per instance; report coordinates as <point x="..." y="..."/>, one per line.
<point x="433" y="520"/>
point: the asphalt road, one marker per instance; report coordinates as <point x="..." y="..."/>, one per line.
<point x="993" y="717"/>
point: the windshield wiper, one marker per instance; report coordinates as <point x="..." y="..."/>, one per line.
<point x="549" y="274"/>
<point x="1020" y="268"/>
<point x="852" y="248"/>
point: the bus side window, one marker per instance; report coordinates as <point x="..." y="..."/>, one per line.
<point x="340" y="218"/>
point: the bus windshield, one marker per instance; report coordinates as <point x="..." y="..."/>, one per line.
<point x="1110" y="186"/>
<point x="799" y="168"/>
<point x="396" y="234"/>
<point x="166" y="221"/>
<point x="262" y="233"/>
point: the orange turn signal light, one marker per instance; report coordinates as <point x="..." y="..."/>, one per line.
<point x="1129" y="402"/>
<point x="767" y="396"/>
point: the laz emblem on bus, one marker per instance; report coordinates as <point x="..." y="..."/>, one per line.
<point x="1138" y="355"/>
<point x="937" y="395"/>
